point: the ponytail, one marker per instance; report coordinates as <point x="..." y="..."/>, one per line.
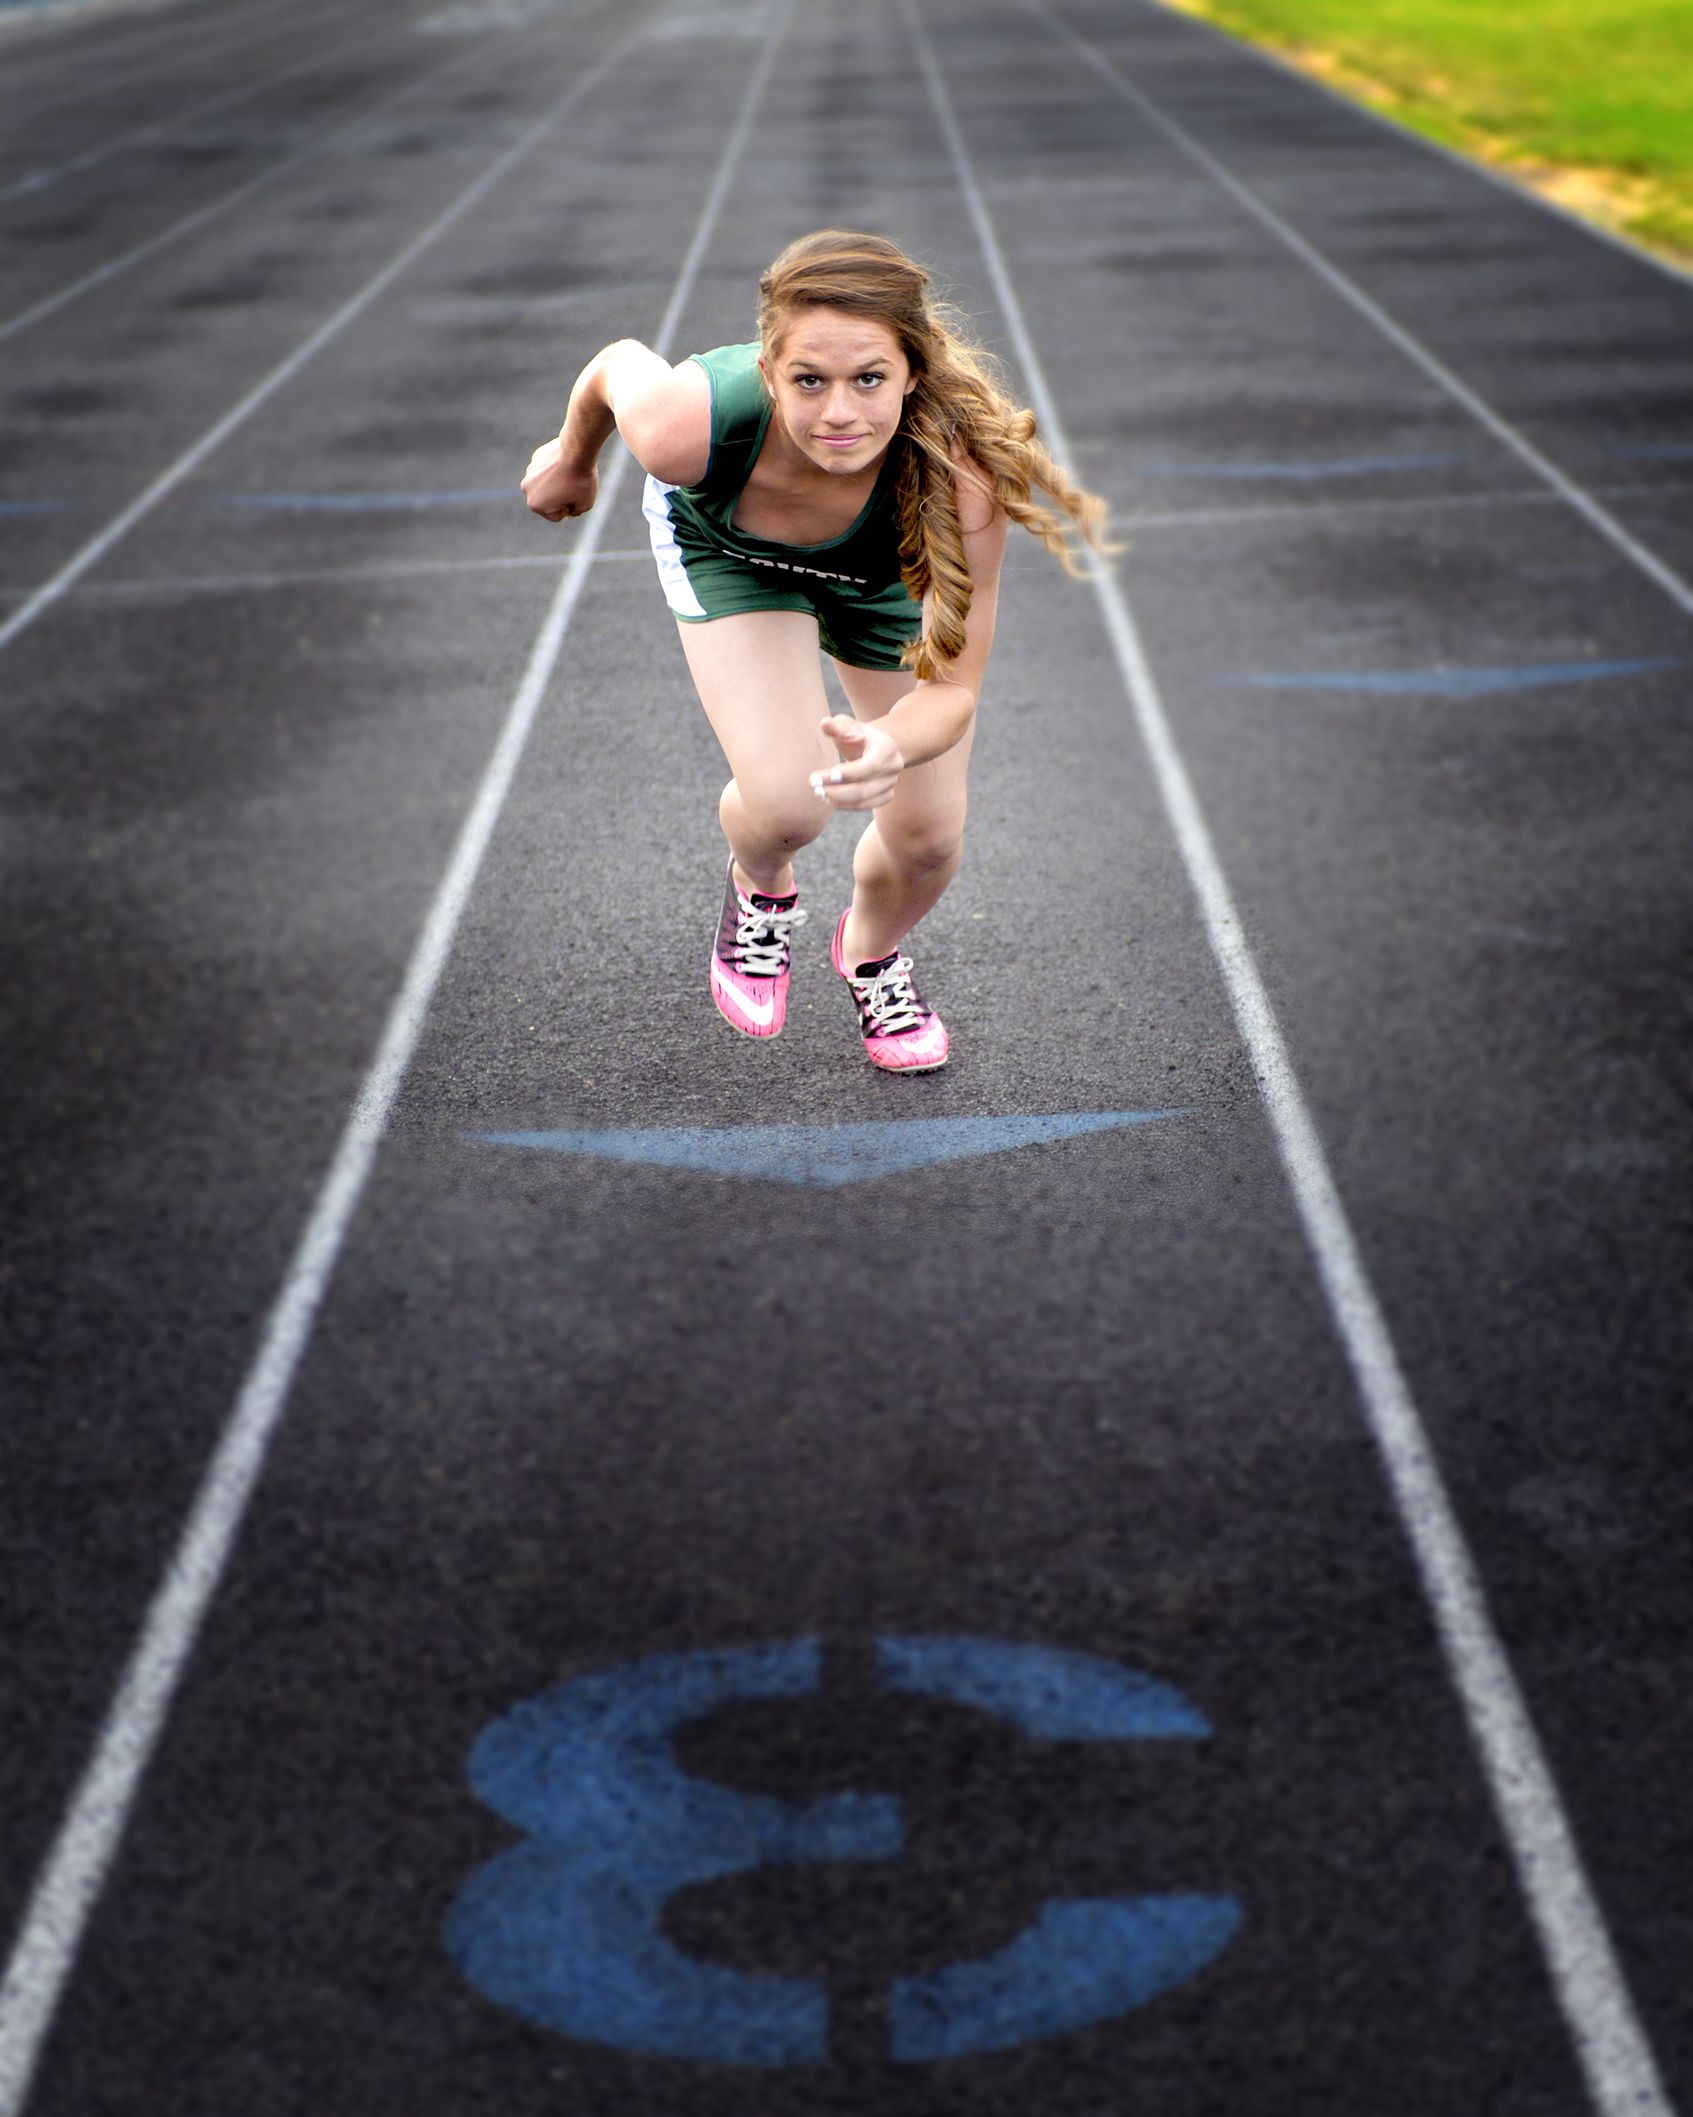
<point x="960" y="425"/>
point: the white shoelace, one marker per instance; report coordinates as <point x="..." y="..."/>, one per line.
<point x="888" y="1001"/>
<point x="762" y="940"/>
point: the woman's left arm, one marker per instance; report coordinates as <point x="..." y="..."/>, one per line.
<point x="936" y="713"/>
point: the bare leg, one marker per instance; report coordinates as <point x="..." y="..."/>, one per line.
<point x="761" y="683"/>
<point x="914" y="843"/>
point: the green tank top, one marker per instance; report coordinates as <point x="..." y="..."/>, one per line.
<point x="864" y="557"/>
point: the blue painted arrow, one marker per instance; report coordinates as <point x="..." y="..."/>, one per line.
<point x="1448" y="683"/>
<point x="823" y="1155"/>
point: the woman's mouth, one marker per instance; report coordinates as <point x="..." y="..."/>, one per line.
<point x="842" y="441"/>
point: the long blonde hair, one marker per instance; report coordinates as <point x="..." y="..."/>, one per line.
<point x="959" y="409"/>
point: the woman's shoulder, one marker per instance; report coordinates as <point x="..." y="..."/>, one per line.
<point x="739" y="405"/>
<point x="730" y="363"/>
<point x="662" y="412"/>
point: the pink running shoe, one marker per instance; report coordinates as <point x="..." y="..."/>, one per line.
<point x="749" y="961"/>
<point x="901" y="1034"/>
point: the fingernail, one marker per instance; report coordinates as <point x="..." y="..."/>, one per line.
<point x="835" y="776"/>
<point x="817" y="782"/>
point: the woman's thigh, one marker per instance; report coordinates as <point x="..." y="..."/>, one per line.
<point x="760" y="680"/>
<point x="929" y="803"/>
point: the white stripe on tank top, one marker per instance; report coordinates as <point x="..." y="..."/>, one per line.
<point x="672" y="573"/>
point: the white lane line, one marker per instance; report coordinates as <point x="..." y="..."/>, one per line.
<point x="39" y="180"/>
<point x="1664" y="576"/>
<point x="342" y="129"/>
<point x="279" y="377"/>
<point x="1501" y="179"/>
<point x="1621" y="2075"/>
<point x="112" y="40"/>
<point x="45" y="1951"/>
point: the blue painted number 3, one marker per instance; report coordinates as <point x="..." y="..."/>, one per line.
<point x="565" y="1929"/>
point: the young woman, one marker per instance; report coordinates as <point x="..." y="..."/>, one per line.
<point x="844" y="481"/>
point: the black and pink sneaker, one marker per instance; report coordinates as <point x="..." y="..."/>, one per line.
<point x="901" y="1033"/>
<point x="749" y="961"/>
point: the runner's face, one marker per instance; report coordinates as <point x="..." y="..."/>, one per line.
<point x="840" y="383"/>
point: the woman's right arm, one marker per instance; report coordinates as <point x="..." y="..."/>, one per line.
<point x="662" y="412"/>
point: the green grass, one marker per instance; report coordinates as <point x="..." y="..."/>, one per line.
<point x="1591" y="100"/>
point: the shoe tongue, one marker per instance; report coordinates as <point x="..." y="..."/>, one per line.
<point x="760" y="902"/>
<point x="874" y="970"/>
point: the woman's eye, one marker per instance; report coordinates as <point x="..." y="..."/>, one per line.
<point x="872" y="378"/>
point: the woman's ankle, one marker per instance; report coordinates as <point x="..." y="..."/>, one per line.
<point x="781" y="882"/>
<point x="857" y="935"/>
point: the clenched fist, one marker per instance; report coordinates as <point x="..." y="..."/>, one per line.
<point x="555" y="488"/>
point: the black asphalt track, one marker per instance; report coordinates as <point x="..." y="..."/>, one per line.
<point x="561" y="1414"/>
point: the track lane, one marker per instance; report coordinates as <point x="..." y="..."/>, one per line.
<point x="176" y="121"/>
<point x="1504" y="180"/>
<point x="32" y="1976"/>
<point x="63" y="232"/>
<point x="1636" y="341"/>
<point x="1616" y="2058"/>
<point x="1478" y="1137"/>
<point x="73" y="559"/>
<point x="460" y="1447"/>
<point x="218" y="780"/>
<point x="61" y="57"/>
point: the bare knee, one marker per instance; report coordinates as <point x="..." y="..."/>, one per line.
<point x="920" y="846"/>
<point x="781" y="823"/>
<point x="791" y="833"/>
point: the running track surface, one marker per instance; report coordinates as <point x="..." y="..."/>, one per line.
<point x="351" y="815"/>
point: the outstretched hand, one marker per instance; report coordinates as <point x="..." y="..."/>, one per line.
<point x="869" y="768"/>
<point x="555" y="488"/>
